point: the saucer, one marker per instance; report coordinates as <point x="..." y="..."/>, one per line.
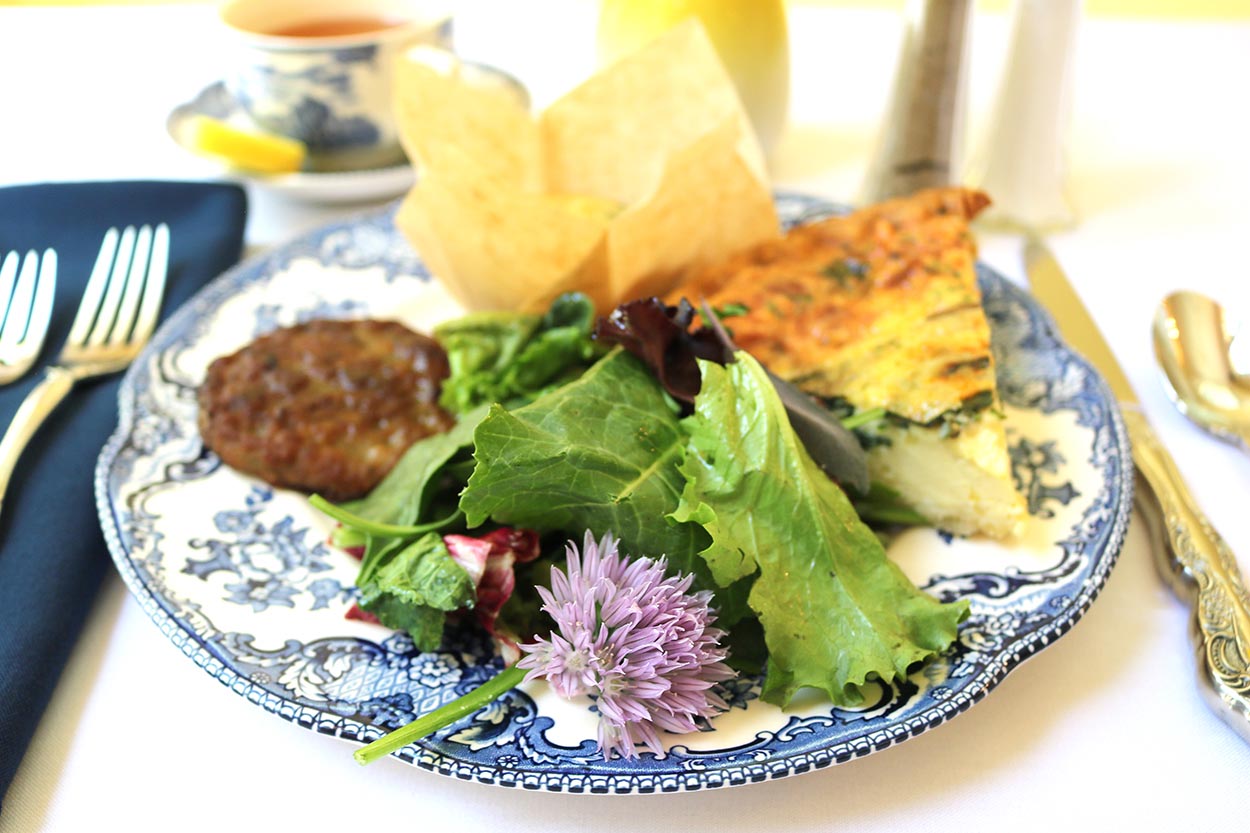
<point x="326" y="187"/>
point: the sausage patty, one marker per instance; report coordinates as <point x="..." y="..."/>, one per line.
<point x="326" y="406"/>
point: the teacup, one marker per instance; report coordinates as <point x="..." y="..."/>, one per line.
<point x="320" y="71"/>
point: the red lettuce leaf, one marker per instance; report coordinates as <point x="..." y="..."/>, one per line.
<point x="660" y="335"/>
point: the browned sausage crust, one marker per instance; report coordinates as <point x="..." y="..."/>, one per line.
<point x="325" y="406"/>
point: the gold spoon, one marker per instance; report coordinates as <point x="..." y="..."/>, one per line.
<point x="1192" y="344"/>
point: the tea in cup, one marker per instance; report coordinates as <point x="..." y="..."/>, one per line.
<point x="320" y="71"/>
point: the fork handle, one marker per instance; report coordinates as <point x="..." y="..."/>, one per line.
<point x="41" y="401"/>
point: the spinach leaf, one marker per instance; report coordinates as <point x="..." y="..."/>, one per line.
<point x="413" y="587"/>
<point x="836" y="612"/>
<point x="600" y="453"/>
<point x="403" y="496"/>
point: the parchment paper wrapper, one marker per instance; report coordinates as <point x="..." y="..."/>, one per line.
<point x="647" y="168"/>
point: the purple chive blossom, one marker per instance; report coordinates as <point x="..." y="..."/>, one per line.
<point x="635" y="639"/>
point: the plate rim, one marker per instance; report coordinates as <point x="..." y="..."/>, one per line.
<point x="1010" y="657"/>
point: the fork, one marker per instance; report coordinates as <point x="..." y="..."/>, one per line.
<point x="25" y="310"/>
<point x="115" y="319"/>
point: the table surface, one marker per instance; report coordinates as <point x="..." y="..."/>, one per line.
<point x="1105" y="726"/>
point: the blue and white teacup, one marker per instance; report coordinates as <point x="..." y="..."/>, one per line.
<point x="320" y="71"/>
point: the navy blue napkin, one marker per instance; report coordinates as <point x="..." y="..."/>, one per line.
<point x="52" y="553"/>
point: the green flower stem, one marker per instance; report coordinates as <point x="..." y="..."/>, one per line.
<point x="373" y="527"/>
<point x="428" y="724"/>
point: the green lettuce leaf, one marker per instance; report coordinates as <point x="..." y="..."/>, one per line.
<point x="836" y="611"/>
<point x="412" y="588"/>
<point x="600" y="453"/>
<point x="508" y="356"/>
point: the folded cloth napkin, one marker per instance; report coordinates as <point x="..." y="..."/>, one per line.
<point x="52" y="552"/>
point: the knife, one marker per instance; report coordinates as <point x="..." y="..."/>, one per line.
<point x="1191" y="555"/>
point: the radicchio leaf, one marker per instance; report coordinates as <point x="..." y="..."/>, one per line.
<point x="490" y="560"/>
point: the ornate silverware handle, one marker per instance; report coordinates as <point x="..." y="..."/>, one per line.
<point x="1202" y="570"/>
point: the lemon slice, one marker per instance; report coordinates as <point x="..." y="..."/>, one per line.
<point x="246" y="149"/>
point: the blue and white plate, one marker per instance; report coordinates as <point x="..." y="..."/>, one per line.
<point x="240" y="577"/>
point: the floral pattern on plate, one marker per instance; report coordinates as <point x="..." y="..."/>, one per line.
<point x="240" y="577"/>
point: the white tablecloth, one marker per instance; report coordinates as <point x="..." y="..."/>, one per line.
<point x="1105" y="727"/>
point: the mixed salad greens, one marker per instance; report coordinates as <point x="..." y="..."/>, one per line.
<point x="677" y="444"/>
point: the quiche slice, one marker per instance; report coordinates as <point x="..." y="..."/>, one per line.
<point x="881" y="309"/>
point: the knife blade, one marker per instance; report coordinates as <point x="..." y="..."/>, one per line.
<point x="1191" y="555"/>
